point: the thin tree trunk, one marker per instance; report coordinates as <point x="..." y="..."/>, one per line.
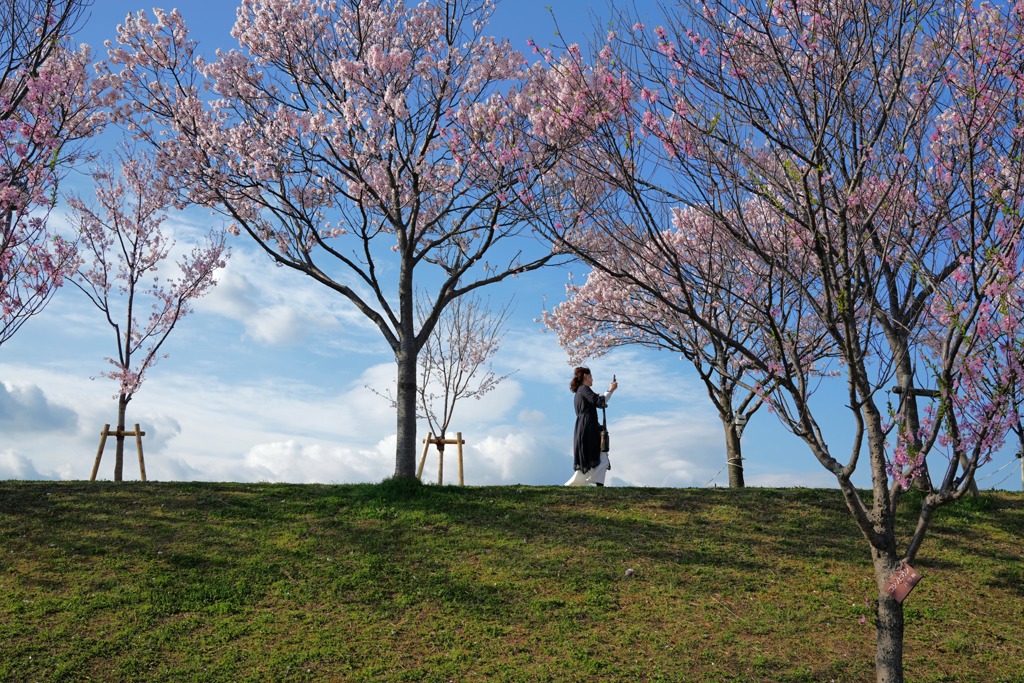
<point x="440" y="456"/>
<point x="911" y="417"/>
<point x="880" y="529"/>
<point x="733" y="453"/>
<point x="889" y="626"/>
<point x="122" y="409"/>
<point x="405" y="452"/>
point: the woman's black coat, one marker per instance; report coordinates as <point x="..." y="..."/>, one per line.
<point x="586" y="451"/>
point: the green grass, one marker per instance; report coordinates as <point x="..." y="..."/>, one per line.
<point x="398" y="582"/>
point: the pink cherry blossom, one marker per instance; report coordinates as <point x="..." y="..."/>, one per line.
<point x="49" y="104"/>
<point x="127" y="256"/>
<point x="417" y="137"/>
<point x="866" y="167"/>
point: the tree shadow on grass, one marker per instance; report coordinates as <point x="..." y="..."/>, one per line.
<point x="401" y="541"/>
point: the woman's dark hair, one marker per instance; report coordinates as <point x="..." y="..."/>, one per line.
<point x="577" y="378"/>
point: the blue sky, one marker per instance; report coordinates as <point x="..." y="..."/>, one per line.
<point x="269" y="379"/>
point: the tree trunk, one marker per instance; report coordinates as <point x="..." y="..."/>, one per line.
<point x="733" y="453"/>
<point x="122" y="409"/>
<point x="908" y="404"/>
<point x="405" y="449"/>
<point x="440" y="456"/>
<point x="889" y="626"/>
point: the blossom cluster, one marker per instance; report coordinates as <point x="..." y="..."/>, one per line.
<point x="871" y="188"/>
<point x="46" y="110"/>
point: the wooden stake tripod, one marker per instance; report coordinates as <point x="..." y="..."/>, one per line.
<point x="107" y="431"/>
<point x="431" y="440"/>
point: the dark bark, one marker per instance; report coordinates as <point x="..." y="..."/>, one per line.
<point x="734" y="453"/>
<point x="405" y="449"/>
<point x="122" y="407"/>
<point x="889" y="636"/>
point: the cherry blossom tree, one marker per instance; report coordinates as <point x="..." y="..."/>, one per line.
<point x="382" y="150"/>
<point x="456" y="361"/>
<point x="606" y="312"/>
<point x="867" y="157"/>
<point x="130" y="250"/>
<point x="48" y="106"/>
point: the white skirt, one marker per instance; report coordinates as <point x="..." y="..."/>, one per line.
<point x="594" y="476"/>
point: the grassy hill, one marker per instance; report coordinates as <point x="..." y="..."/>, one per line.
<point x="392" y="582"/>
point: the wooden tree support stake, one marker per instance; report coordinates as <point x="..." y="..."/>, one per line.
<point x="107" y="431"/>
<point x="431" y="440"/>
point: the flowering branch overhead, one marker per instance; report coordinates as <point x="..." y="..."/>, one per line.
<point x="127" y="250"/>
<point x="865" y="160"/>
<point x="384" y="150"/>
<point x="49" y="105"/>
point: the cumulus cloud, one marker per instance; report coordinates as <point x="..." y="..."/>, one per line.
<point x="273" y="429"/>
<point x="160" y="430"/>
<point x="670" y="448"/>
<point x="520" y="457"/>
<point x="315" y="420"/>
<point x="277" y="306"/>
<point x="27" y="409"/>
<point x="295" y="462"/>
<point x="173" y="468"/>
<point x="13" y="465"/>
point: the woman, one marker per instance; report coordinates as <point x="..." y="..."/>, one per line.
<point x="586" y="452"/>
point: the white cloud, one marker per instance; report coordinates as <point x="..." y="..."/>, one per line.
<point x="521" y="456"/>
<point x="669" y="448"/>
<point x="172" y="468"/>
<point x="246" y="293"/>
<point x="280" y="429"/>
<point x="14" y="465"/>
<point x="26" y="408"/>
<point x="292" y="461"/>
<point x="259" y="420"/>
<point x="278" y="306"/>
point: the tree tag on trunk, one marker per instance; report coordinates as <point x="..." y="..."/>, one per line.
<point x="902" y="581"/>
